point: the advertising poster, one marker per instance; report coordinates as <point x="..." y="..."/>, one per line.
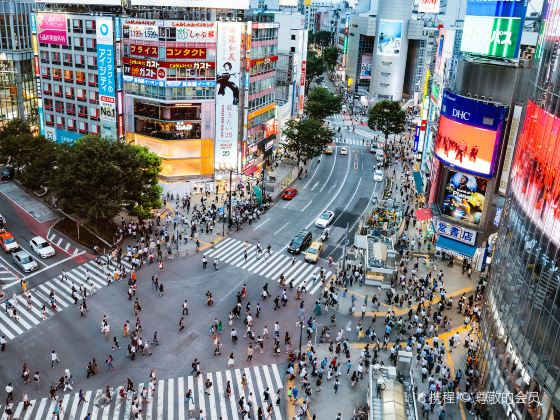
<point x="208" y="4"/>
<point x="428" y="6"/>
<point x="52" y="28"/>
<point x="106" y="77"/>
<point x="228" y="68"/>
<point x="493" y="28"/>
<point x="365" y="69"/>
<point x="469" y="134"/>
<point x="390" y="37"/>
<point x="536" y="170"/>
<point x="464" y="197"/>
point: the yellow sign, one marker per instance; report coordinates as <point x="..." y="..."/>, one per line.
<point x="350" y="81"/>
<point x="260" y="111"/>
<point x="307" y="3"/>
<point x="426" y="83"/>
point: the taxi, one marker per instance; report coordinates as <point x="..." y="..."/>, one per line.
<point x="7" y="241"/>
<point x="328" y="150"/>
<point x="314" y="252"/>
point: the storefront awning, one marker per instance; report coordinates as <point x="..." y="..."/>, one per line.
<point x="423" y="214"/>
<point x="455" y="248"/>
<point x="418" y="182"/>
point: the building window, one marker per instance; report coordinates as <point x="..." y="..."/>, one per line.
<point x="77" y="25"/>
<point x="57" y="74"/>
<point x="91" y="44"/>
<point x="82" y="111"/>
<point x="45" y="57"/>
<point x="58" y="91"/>
<point x="55" y="57"/>
<point x="90" y="26"/>
<point x="94" y="114"/>
<point x="79" y="44"/>
<point x="70" y="110"/>
<point x="67" y="58"/>
<point x="92" y="96"/>
<point x="80" y="60"/>
<point x="68" y="75"/>
<point x="48" y="104"/>
<point x="293" y="37"/>
<point x="71" y="124"/>
<point x="83" y="127"/>
<point x="92" y="62"/>
<point x="47" y="88"/>
<point x="80" y="78"/>
<point x="60" y="122"/>
<point x="69" y="92"/>
<point x="45" y="72"/>
<point x="92" y="79"/>
<point x="49" y="120"/>
<point x="81" y="95"/>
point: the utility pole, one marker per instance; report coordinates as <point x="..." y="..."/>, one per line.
<point x="344" y="250"/>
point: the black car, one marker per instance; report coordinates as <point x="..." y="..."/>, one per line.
<point x="300" y="242"/>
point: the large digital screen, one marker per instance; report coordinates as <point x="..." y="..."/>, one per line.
<point x="493" y="28"/>
<point x="464" y="197"/>
<point x="389" y="37"/>
<point x="535" y="172"/>
<point x="365" y="68"/>
<point x="228" y="68"/>
<point x="429" y="6"/>
<point x="469" y="133"/>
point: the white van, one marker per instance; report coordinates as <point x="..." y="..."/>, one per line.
<point x="379" y="155"/>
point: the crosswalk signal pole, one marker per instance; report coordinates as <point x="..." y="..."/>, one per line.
<point x="344" y="250"/>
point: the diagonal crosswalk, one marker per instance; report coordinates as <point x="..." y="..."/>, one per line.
<point x="90" y="272"/>
<point x="168" y="401"/>
<point x="231" y="251"/>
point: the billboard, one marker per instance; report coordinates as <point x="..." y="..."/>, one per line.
<point x="464" y="197"/>
<point x="469" y="134"/>
<point x="493" y="28"/>
<point x="208" y="4"/>
<point x="106" y="77"/>
<point x="445" y="47"/>
<point x="228" y="69"/>
<point x="365" y="68"/>
<point x="184" y="31"/>
<point x="52" y="28"/>
<point x="536" y="170"/>
<point x="428" y="6"/>
<point x="389" y="37"/>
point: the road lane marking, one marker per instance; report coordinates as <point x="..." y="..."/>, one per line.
<point x="307" y="205"/>
<point x="287" y="223"/>
<point x="259" y="225"/>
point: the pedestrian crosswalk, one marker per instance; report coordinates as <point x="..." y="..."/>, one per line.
<point x="91" y="275"/>
<point x="232" y="252"/>
<point x="5" y="273"/>
<point x="340" y="117"/>
<point x="64" y="244"/>
<point x="168" y="401"/>
<point x="355" y="142"/>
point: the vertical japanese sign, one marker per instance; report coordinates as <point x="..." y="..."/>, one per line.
<point x="228" y="69"/>
<point x="106" y="77"/>
<point x="35" y="44"/>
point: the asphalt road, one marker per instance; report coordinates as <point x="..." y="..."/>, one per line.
<point x="343" y="184"/>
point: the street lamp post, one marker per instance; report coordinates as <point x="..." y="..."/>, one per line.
<point x="301" y="323"/>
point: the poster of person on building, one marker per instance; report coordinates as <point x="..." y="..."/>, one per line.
<point x="464" y="197"/>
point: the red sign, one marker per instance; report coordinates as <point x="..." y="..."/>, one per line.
<point x="302" y="81"/>
<point x="270" y="128"/>
<point x="144" y="50"/>
<point x="36" y="61"/>
<point x="423" y="124"/>
<point x="198" y="65"/>
<point x="264" y="60"/>
<point x="185" y="52"/>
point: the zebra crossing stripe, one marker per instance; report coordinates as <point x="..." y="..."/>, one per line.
<point x="170" y="398"/>
<point x="220" y="389"/>
<point x="201" y="394"/>
<point x="268" y="263"/>
<point x="212" y="402"/>
<point x="180" y="398"/>
<point x="232" y="402"/>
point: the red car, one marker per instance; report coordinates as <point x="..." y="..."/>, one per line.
<point x="289" y="194"/>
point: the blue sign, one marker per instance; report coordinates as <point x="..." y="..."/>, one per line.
<point x="33" y="23"/>
<point x="64" y="136"/>
<point x="472" y="112"/>
<point x="106" y="69"/>
<point x="118" y="28"/>
<point x="170" y="83"/>
<point x="497" y="8"/>
<point x="416" y="139"/>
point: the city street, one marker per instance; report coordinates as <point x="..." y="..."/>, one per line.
<point x="341" y="183"/>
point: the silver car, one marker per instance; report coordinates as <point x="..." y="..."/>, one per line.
<point x="25" y="261"/>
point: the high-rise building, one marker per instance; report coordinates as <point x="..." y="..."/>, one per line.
<point x="520" y="351"/>
<point x="18" y="91"/>
<point x="77" y="63"/>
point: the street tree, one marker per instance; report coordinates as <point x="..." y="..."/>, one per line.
<point x="18" y="146"/>
<point x="94" y="178"/>
<point x="306" y="138"/>
<point x="330" y="58"/>
<point x="314" y="68"/>
<point x="322" y="39"/>
<point x="39" y="171"/>
<point x="388" y="117"/>
<point x="321" y="103"/>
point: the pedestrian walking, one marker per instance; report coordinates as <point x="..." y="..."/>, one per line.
<point x="181" y="324"/>
<point x="336" y="385"/>
<point x="250" y="352"/>
<point x="185" y="308"/>
<point x="54" y="358"/>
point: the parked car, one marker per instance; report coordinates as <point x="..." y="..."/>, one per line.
<point x="300" y="242"/>
<point x="41" y="247"/>
<point x="25" y="261"/>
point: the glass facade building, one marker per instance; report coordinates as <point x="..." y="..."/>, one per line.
<point x="520" y="329"/>
<point x="18" y="92"/>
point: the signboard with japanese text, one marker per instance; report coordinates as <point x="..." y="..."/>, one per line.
<point x="169" y="83"/>
<point x="173" y="30"/>
<point x="493" y="28"/>
<point x="228" y="64"/>
<point x="144" y="50"/>
<point x="185" y="53"/>
<point x="207" y="4"/>
<point x="52" y="28"/>
<point x="263" y="60"/>
<point x="270" y="128"/>
<point x="106" y="76"/>
<point x="459" y="233"/>
<point x="469" y="134"/>
<point x="464" y="197"/>
<point x="157" y="69"/>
